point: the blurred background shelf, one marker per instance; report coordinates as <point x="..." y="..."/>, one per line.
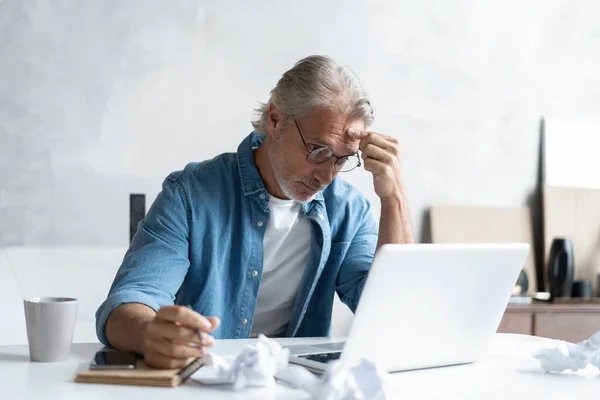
<point x="569" y="320"/>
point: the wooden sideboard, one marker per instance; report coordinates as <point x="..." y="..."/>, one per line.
<point x="571" y="322"/>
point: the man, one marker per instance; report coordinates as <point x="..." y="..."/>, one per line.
<point x="260" y="240"/>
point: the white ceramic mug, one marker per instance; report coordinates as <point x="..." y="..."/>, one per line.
<point x="50" y="325"/>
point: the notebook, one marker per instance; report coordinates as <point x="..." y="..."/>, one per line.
<point x="142" y="375"/>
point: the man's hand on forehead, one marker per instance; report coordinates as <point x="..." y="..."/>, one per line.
<point x="381" y="155"/>
<point x="355" y="133"/>
<point x="358" y="134"/>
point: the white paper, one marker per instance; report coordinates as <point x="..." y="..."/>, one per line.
<point x="364" y="381"/>
<point x="571" y="357"/>
<point x="595" y="360"/>
<point x="260" y="364"/>
<point x="255" y="366"/>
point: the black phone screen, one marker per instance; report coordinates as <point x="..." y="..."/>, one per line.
<point x="114" y="359"/>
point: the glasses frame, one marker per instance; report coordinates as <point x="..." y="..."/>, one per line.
<point x="337" y="158"/>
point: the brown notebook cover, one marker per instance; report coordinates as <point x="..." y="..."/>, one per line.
<point x="142" y="375"/>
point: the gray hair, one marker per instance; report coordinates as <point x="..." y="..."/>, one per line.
<point x="316" y="81"/>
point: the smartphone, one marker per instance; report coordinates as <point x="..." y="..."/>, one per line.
<point x="114" y="359"/>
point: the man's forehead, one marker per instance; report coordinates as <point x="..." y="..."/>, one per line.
<point x="332" y="131"/>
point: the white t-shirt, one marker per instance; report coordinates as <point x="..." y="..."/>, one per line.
<point x="285" y="254"/>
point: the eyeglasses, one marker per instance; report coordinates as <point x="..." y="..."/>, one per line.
<point x="321" y="154"/>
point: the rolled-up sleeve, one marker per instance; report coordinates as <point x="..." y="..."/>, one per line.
<point x="157" y="261"/>
<point x="357" y="261"/>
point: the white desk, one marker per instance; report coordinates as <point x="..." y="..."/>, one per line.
<point x="508" y="373"/>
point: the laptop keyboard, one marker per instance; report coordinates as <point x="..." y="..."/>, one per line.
<point x="323" y="357"/>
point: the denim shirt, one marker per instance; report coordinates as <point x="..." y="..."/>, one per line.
<point x="202" y="239"/>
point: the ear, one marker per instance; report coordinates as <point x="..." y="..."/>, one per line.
<point x="274" y="120"/>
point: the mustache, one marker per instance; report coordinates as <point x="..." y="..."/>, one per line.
<point x="313" y="183"/>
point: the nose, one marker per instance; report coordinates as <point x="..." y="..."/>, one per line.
<point x="325" y="172"/>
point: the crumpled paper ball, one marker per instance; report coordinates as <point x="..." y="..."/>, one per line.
<point x="570" y="357"/>
<point x="363" y="381"/>
<point x="255" y="366"/>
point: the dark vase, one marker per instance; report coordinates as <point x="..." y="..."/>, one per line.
<point x="561" y="268"/>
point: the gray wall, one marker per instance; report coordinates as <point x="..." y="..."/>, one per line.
<point x="102" y="98"/>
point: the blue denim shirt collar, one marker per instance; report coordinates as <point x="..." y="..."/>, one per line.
<point x="250" y="177"/>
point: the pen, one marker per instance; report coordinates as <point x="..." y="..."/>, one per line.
<point x="198" y="332"/>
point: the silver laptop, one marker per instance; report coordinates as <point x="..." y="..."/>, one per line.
<point x="426" y="305"/>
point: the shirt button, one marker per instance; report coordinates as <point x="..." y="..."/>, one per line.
<point x="259" y="223"/>
<point x="244" y="321"/>
<point x="255" y="273"/>
<point x="321" y="216"/>
<point x="262" y="196"/>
